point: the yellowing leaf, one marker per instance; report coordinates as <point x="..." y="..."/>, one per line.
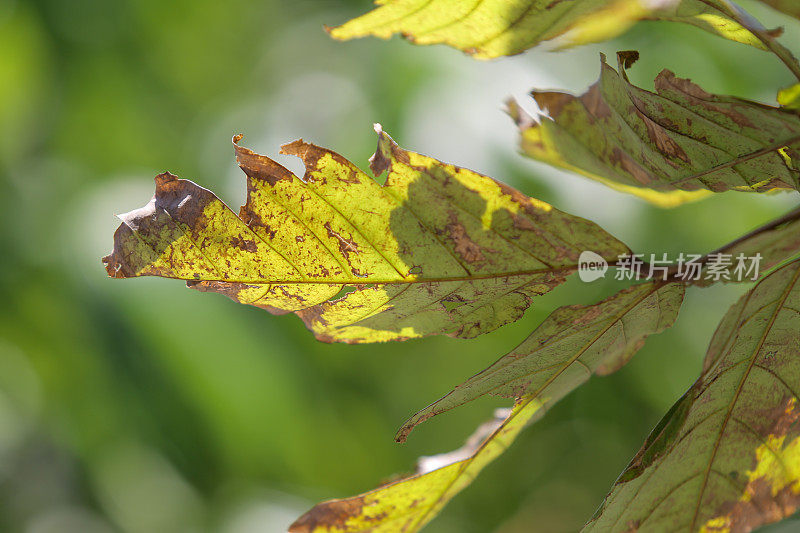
<point x="727" y="455"/>
<point x="408" y="504"/>
<point x="679" y="140"/>
<point x="438" y="249"/>
<point x="493" y="28"/>
<point x="790" y="97"/>
<point x="565" y="350"/>
<point x="573" y="343"/>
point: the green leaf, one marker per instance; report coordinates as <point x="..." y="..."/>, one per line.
<point x="436" y="250"/>
<point x="669" y="146"/>
<point x="571" y="345"/>
<point x="727" y="455"/>
<point x="565" y="350"/>
<point x="493" y="28"/>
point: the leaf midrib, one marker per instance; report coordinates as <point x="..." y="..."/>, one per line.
<point x="365" y="281"/>
<point x="562" y="365"/>
<point x="531" y="397"/>
<point x="735" y="398"/>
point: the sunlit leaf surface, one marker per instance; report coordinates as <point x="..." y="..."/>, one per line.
<point x="436" y="250"/>
<point x="790" y="97"/>
<point x="493" y="28"/>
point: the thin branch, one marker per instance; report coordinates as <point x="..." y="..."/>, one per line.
<point x="760" y="32"/>
<point x="792" y="215"/>
<point x="788" y="217"/>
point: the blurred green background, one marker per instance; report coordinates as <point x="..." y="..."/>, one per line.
<point x="141" y="406"/>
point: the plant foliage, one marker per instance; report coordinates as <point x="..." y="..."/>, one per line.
<point x="493" y="28"/>
<point x="439" y="249"/>
<point x="679" y="138"/>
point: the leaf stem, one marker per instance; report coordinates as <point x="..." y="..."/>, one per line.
<point x="747" y="22"/>
<point x="792" y="215"/>
<point x="783" y="53"/>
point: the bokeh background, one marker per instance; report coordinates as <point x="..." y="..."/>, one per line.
<point x="141" y="406"/>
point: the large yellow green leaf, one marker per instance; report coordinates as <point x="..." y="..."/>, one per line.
<point x="666" y="145"/>
<point x="438" y="249"/>
<point x="493" y="28"/>
<point x="727" y="456"/>
<point x="565" y="350"/>
<point x="573" y="343"/>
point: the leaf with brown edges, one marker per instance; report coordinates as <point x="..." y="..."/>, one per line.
<point x="436" y="250"/>
<point x="727" y="455"/>
<point x="410" y="503"/>
<point x="665" y="146"/>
